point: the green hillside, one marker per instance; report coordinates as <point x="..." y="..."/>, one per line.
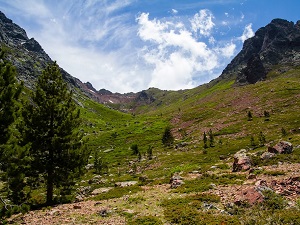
<point x="221" y="108"/>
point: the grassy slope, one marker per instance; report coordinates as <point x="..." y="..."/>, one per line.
<point x="219" y="107"/>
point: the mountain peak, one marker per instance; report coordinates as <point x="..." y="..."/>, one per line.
<point x="276" y="43"/>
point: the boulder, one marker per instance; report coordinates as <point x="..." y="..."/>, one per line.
<point x="241" y="161"/>
<point x="125" y="183"/>
<point x="267" y="155"/>
<point x="283" y="147"/>
<point x="250" y="195"/>
<point x="101" y="190"/>
<point x="176" y="181"/>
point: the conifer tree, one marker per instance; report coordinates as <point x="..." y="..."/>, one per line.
<point x="11" y="155"/>
<point x="50" y="125"/>
<point x="167" y="138"/>
<point x="150" y="152"/>
<point x="10" y="91"/>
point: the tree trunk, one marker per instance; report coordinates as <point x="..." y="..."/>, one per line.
<point x="50" y="187"/>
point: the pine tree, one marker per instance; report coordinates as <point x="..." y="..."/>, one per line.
<point x="150" y="152"/>
<point x="261" y="138"/>
<point x="12" y="157"/>
<point x="135" y="149"/>
<point x="167" y="138"/>
<point x="50" y="125"/>
<point x="10" y="91"/>
<point x="249" y="116"/>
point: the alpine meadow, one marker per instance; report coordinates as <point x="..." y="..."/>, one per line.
<point x="224" y="152"/>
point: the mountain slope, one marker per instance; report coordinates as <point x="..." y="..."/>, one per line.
<point x="210" y="191"/>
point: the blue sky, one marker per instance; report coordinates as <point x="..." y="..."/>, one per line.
<point x="131" y="45"/>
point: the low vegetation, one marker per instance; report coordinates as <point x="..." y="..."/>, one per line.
<point x="193" y="133"/>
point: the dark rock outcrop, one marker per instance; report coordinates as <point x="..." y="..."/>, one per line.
<point x="26" y="54"/>
<point x="276" y="43"/>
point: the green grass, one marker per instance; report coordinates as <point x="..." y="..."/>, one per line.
<point x="117" y="192"/>
<point x="206" y="182"/>
<point x="189" y="210"/>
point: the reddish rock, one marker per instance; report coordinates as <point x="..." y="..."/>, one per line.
<point x="241" y="161"/>
<point x="249" y="195"/>
<point x="283" y="147"/>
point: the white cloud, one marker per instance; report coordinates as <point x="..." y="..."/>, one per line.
<point x="228" y="50"/>
<point x="202" y="22"/>
<point x="248" y="33"/>
<point x="178" y="58"/>
<point x="100" y="42"/>
<point x="174" y="11"/>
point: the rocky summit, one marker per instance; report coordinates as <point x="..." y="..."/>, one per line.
<point x="276" y="43"/>
<point x="28" y="56"/>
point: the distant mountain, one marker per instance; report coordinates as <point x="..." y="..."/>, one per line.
<point x="30" y="59"/>
<point x="26" y="54"/>
<point x="276" y="43"/>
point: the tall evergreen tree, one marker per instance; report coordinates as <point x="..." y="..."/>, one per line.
<point x="11" y="155"/>
<point x="167" y="138"/>
<point x="10" y="91"/>
<point x="211" y="138"/>
<point x="50" y="125"/>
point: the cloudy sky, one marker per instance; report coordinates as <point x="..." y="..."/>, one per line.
<point x="131" y="45"/>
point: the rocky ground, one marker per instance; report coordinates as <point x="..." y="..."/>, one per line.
<point x="146" y="202"/>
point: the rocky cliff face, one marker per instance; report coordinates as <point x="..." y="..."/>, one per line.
<point x="26" y="54"/>
<point x="276" y="43"/>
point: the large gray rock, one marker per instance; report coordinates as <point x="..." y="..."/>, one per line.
<point x="125" y="183"/>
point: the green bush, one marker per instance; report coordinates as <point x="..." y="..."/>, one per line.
<point x="273" y="201"/>
<point x="117" y="192"/>
<point x="145" y="220"/>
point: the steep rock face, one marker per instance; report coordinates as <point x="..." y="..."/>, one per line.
<point x="26" y="54"/>
<point x="276" y="43"/>
<point x="253" y="72"/>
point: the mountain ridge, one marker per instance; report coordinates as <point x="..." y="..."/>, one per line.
<point x="277" y="42"/>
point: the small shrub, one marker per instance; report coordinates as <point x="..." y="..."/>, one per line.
<point x="249" y="116"/>
<point x="135" y="149"/>
<point x="273" y="201"/>
<point x="117" y="192"/>
<point x="135" y="200"/>
<point x="267" y="115"/>
<point x="206" y="197"/>
<point x="274" y="173"/>
<point x="283" y="132"/>
<point x="167" y="138"/>
<point x="145" y="220"/>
